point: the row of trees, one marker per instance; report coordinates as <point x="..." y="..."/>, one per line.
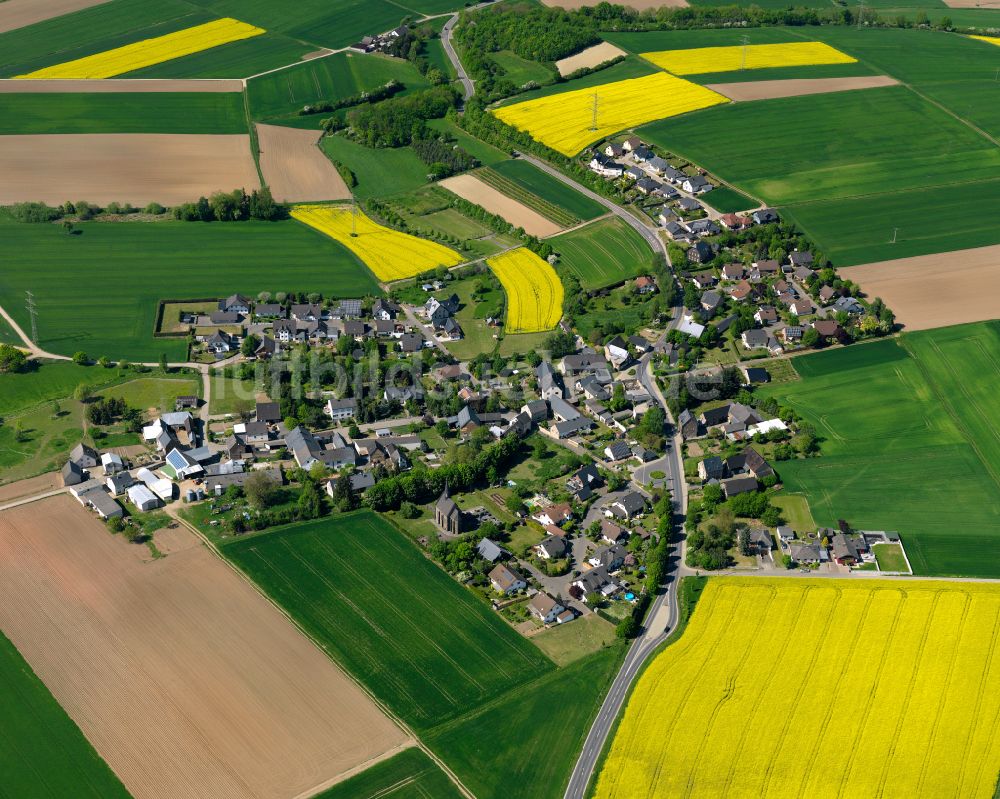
<point x="233" y="206"/>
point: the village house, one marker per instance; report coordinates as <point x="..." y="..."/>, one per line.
<point x="506" y="580"/>
<point x="552" y="547"/>
<point x="629" y="506"/>
<point x="738" y="485"/>
<point x="610" y="558"/>
<point x="606" y="167"/>
<point x="696" y="184"/>
<point x="556" y="515"/>
<point x="544" y="608"/>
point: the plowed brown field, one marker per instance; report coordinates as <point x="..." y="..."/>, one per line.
<point x="184" y="678"/>
<point x="294" y="167"/>
<point x="795" y="87"/>
<point x="19" y="13"/>
<point x="133" y="167"/>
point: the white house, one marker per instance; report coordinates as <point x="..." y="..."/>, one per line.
<point x="545" y="608"/>
<point x="112" y="463"/>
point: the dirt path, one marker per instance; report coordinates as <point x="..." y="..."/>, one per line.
<point x="186" y="680"/>
<point x="795" y="87"/>
<point x="112" y="85"/>
<point x="21" y="13"/>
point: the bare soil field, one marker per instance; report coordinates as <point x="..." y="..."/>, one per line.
<point x="295" y="168"/>
<point x="638" y="5"/>
<point x="972" y="3"/>
<point x="184" y="678"/>
<point x="929" y="291"/>
<point x="115" y="85"/>
<point x="28" y="488"/>
<point x="794" y="87"/>
<point x="19" y="13"/>
<point x="591" y="57"/>
<point x="136" y="167"/>
<point x="470" y="188"/>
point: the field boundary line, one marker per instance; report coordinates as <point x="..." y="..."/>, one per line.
<point x="378" y="703"/>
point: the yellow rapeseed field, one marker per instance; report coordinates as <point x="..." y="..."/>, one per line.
<point x="819" y="688"/>
<point x="702" y="60"/>
<point x="150" y="51"/>
<point x="391" y="255"/>
<point x="994" y="40"/>
<point x="564" y="121"/>
<point x="534" y="291"/>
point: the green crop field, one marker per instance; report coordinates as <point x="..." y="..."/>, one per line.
<point x="379" y="172"/>
<point x="549" y="190"/>
<point x="487" y="154"/>
<point x="42" y="752"/>
<point x="234" y="60"/>
<point x="603" y="253"/>
<point x="123" y="113"/>
<point x="408" y="775"/>
<point x="631" y="67"/>
<point x="909" y="443"/>
<point x="859" y="231"/>
<point x="93" y="30"/>
<point x="324" y="23"/>
<point x="552" y="713"/>
<point x="98" y="291"/>
<point x="413" y="636"/>
<point x="51" y="380"/>
<point x="341" y="75"/>
<point x="824" y="147"/>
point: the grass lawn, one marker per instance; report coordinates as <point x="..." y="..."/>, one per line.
<point x="230" y="395"/>
<point x="413" y="636"/>
<point x="100" y="288"/>
<point x="890" y="557"/>
<point x="494" y="749"/>
<point x="51" y="380"/>
<point x="486" y="153"/>
<point x="43" y="754"/>
<point x="520" y="70"/>
<point x="408" y="775"/>
<point x="550" y="190"/>
<point x="379" y="172"/>
<point x="795" y="510"/>
<point x="46" y="439"/>
<point x="123" y="113"/>
<point x="898" y="413"/>
<point x="478" y="335"/>
<point x="728" y="201"/>
<point x="155" y="393"/>
<point x="604" y="253"/>
<point x="566" y="643"/>
<point x="333" y="78"/>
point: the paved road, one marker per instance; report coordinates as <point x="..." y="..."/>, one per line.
<point x="468" y="87"/>
<point x="648" y="233"/>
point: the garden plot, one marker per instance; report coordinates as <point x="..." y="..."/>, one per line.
<point x="471" y="188"/>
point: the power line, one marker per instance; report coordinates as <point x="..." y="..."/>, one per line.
<point x="33" y="313"/>
<point x="746" y="41"/>
<point x="593" y="121"/>
<point x="861" y="12"/>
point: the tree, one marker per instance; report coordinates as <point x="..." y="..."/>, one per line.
<point x="56" y="410"/>
<point x="249" y="345"/>
<point x="593" y="599"/>
<point x="20" y="435"/>
<point x="261" y="490"/>
<point x="810" y="338"/>
<point x="163" y="362"/>
<point x="409" y="510"/>
<point x="514" y="504"/>
<point x="627" y="628"/>
<point x="786" y="561"/>
<point x="743" y="540"/>
<point x="68" y="226"/>
<point x="12" y="359"/>
<point x="80" y="358"/>
<point x="310" y="504"/>
<point x="81" y="393"/>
